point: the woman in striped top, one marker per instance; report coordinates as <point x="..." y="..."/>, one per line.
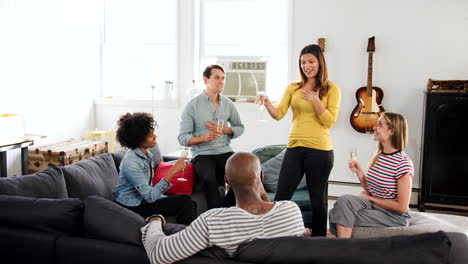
<point x="387" y="184"/>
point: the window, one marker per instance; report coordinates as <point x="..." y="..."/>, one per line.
<point x="139" y="48"/>
<point x="248" y="31"/>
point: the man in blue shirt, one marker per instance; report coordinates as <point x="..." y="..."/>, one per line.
<point x="210" y="147"/>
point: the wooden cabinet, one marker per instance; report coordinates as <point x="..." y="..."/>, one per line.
<point x="444" y="175"/>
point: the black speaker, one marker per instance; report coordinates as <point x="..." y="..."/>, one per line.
<point x="444" y="175"/>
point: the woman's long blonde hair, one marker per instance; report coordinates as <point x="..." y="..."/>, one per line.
<point x="322" y="75"/>
<point x="399" y="139"/>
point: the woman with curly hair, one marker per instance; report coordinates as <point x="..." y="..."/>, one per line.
<point x="134" y="191"/>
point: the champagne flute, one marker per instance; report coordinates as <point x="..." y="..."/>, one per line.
<point x="353" y="157"/>
<point x="353" y="154"/>
<point x="184" y="151"/>
<point x="261" y="101"/>
<point x="219" y="127"/>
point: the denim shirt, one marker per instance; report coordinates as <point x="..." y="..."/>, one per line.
<point x="195" y="117"/>
<point x="135" y="177"/>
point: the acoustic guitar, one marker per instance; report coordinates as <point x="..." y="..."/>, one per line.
<point x="321" y="43"/>
<point x="369" y="100"/>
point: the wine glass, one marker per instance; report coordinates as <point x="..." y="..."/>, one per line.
<point x="261" y="99"/>
<point x="220" y="125"/>
<point x="353" y="154"/>
<point x="184" y="151"/>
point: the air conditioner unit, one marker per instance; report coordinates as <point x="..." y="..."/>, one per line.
<point x="244" y="77"/>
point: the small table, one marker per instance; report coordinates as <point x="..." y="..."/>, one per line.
<point x="23" y="143"/>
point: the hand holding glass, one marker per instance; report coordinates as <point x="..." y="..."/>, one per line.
<point x="353" y="154"/>
<point x="261" y="99"/>
<point x="184" y="151"/>
<point x="220" y="125"/>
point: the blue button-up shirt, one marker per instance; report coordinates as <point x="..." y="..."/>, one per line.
<point x="195" y="117"/>
<point x="135" y="177"/>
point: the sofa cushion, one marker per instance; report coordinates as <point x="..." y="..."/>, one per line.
<point x="424" y="248"/>
<point x="271" y="169"/>
<point x="78" y="250"/>
<point x="178" y="186"/>
<point x="420" y="222"/>
<point x="48" y="183"/>
<point x="106" y="220"/>
<point x="50" y="215"/>
<point x="268" y="152"/>
<point x="119" y="154"/>
<point x="18" y="245"/>
<point x="92" y="176"/>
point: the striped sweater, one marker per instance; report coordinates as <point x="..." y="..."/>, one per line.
<point x="222" y="227"/>
<point x="382" y="178"/>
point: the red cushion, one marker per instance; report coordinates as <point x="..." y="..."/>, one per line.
<point x="178" y="186"/>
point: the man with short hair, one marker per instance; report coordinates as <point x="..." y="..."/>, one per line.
<point x="210" y="147"/>
<point x="253" y="217"/>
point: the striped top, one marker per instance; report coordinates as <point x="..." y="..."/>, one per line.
<point x="382" y="178"/>
<point x="222" y="227"/>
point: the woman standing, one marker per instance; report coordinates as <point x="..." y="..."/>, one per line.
<point x="315" y="103"/>
<point x="387" y="184"/>
<point x="134" y="190"/>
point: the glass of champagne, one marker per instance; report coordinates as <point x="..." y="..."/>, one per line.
<point x="219" y="127"/>
<point x="353" y="154"/>
<point x="261" y="101"/>
<point x="184" y="151"/>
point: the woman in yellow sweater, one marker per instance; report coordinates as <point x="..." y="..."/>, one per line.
<point x="315" y="103"/>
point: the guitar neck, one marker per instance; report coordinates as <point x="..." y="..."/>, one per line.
<point x="369" y="74"/>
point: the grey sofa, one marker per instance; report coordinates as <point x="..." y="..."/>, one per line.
<point x="66" y="215"/>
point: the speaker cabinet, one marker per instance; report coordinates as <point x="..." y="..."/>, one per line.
<point x="445" y="149"/>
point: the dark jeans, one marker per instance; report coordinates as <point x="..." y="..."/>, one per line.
<point x="209" y="171"/>
<point x="181" y="206"/>
<point x="317" y="165"/>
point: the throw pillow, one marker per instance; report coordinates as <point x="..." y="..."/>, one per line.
<point x="92" y="176"/>
<point x="61" y="216"/>
<point x="268" y="152"/>
<point x="424" y="248"/>
<point x="106" y="220"/>
<point x="181" y="184"/>
<point x="48" y="183"/>
<point x="271" y="170"/>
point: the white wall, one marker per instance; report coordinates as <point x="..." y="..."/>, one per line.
<point x="49" y="54"/>
<point x="415" y="40"/>
<point x="49" y="67"/>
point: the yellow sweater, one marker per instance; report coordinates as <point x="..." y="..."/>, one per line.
<point x="308" y="129"/>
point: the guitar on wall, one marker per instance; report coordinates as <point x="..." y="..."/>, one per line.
<point x="321" y="43"/>
<point x="369" y="100"/>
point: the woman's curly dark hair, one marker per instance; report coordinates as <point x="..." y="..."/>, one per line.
<point x="134" y="128"/>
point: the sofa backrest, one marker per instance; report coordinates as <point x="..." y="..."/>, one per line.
<point x="48" y="183"/>
<point x="92" y="176"/>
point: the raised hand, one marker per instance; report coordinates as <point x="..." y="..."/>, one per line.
<point x="178" y="166"/>
<point x="354" y="166"/>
